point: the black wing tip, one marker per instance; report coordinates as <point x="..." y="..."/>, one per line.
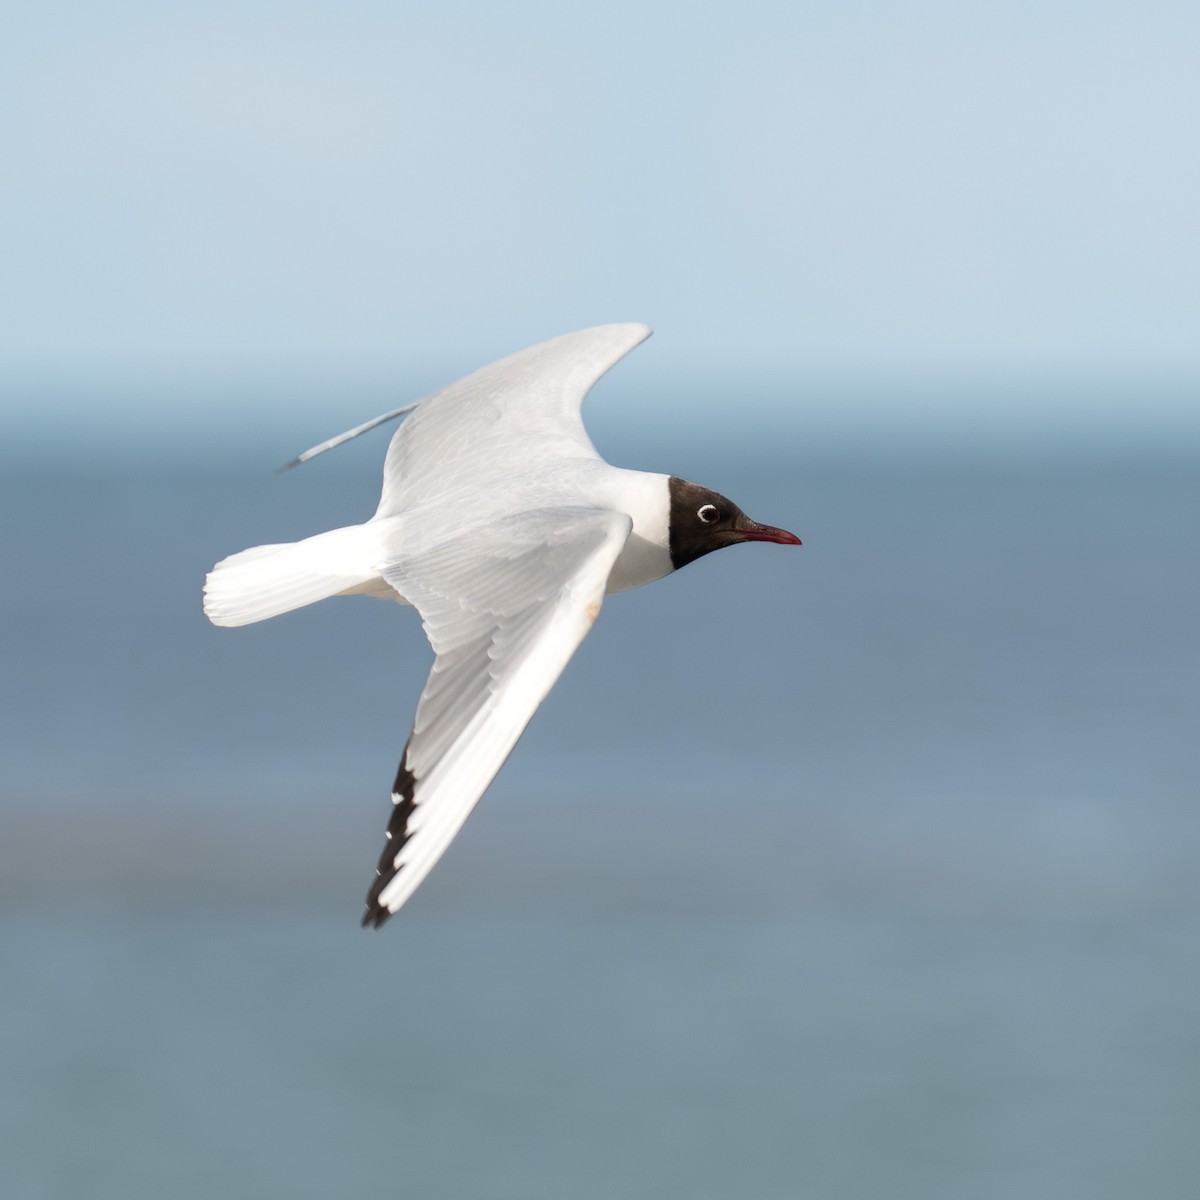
<point x="375" y="916"/>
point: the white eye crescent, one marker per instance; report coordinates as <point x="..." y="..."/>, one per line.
<point x="708" y="513"/>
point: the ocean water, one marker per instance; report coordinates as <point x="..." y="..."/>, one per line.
<point x="864" y="869"/>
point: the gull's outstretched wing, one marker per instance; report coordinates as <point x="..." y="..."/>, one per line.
<point x="504" y="607"/>
<point x="521" y="411"/>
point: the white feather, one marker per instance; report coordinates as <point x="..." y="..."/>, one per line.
<point x="518" y="414"/>
<point x="265" y="581"/>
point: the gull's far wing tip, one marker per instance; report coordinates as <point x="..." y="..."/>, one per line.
<point x="349" y="435"/>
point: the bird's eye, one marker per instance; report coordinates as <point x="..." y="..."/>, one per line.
<point x="708" y="513"/>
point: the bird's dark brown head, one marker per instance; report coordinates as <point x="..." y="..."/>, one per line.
<point x="703" y="521"/>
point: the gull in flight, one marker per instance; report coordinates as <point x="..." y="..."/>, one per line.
<point x="505" y="529"/>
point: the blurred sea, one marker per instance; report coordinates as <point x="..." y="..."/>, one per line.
<point x="866" y="869"/>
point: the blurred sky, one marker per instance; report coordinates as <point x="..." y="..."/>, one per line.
<point x="307" y="198"/>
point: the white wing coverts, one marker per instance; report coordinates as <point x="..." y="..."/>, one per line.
<point x="504" y="606"/>
<point x="520" y="413"/>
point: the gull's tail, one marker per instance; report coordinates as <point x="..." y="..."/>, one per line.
<point x="265" y="581"/>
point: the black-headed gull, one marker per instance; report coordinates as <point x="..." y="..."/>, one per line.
<point x="501" y="524"/>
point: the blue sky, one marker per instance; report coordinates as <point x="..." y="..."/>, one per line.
<point x="834" y="197"/>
